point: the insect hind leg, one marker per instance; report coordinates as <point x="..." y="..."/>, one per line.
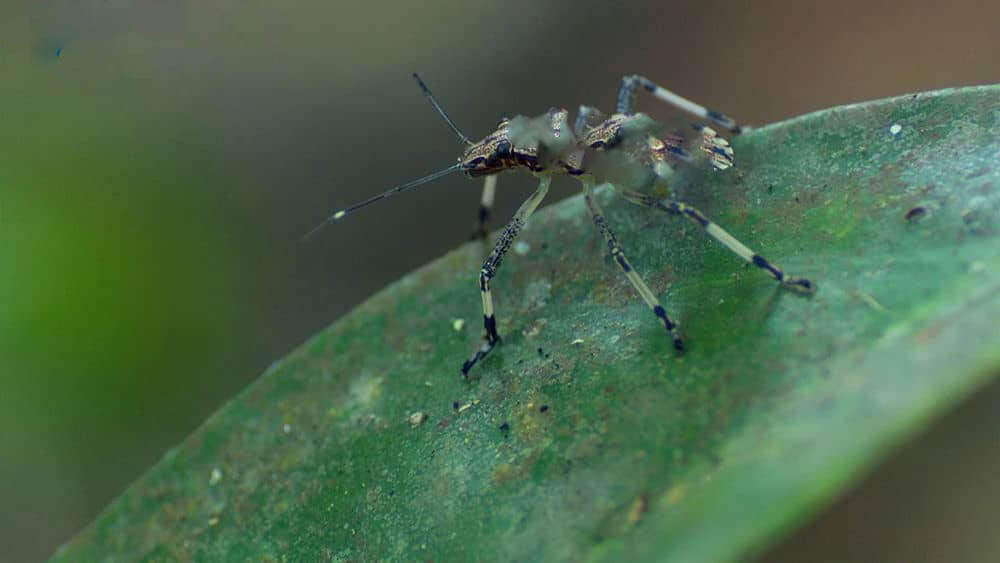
<point x="631" y="85"/>
<point x="718" y="233"/>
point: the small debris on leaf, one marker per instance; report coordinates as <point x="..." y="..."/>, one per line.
<point x="535" y="328"/>
<point x="870" y="301"/>
<point x="468" y="405"/>
<point x="215" y="477"/>
<point x="916" y="213"/>
<point x="577" y="341"/>
<point x="639" y="507"/>
<point x="457" y="324"/>
<point x="418" y="418"/>
<point x="675" y="494"/>
<point x="895" y="129"/>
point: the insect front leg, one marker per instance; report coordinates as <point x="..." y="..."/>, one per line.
<point x="492" y="263"/>
<point x="486" y="205"/>
<point x="719" y="234"/>
<point x="631" y="84"/>
<point x="633" y="277"/>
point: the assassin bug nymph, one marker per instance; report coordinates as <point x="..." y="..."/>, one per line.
<point x="546" y="146"/>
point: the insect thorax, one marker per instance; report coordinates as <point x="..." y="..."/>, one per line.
<point x="496" y="153"/>
<point x="537" y="144"/>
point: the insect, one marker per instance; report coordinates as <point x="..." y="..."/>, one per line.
<point x="546" y="146"/>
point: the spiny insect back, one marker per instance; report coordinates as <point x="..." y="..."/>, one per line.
<point x="622" y="149"/>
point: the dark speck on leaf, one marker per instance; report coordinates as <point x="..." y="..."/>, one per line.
<point x="543" y="408"/>
<point x="541" y="352"/>
<point x="916" y="213"/>
<point x="505" y="427"/>
<point x="454" y="405"/>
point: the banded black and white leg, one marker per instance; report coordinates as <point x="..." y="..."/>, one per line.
<point x="719" y="150"/>
<point x="486" y="205"/>
<point x="492" y="263"/>
<point x="718" y="233"/>
<point x="626" y="267"/>
<point x="630" y="85"/>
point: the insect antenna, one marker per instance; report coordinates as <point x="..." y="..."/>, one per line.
<point x="388" y="193"/>
<point x="437" y="106"/>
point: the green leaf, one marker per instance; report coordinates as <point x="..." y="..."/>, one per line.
<point x="617" y="448"/>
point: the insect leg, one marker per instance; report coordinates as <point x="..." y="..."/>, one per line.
<point x="585" y="116"/>
<point x="486" y="205"/>
<point x="720" y="152"/>
<point x="630" y="84"/>
<point x="619" y="257"/>
<point x="491" y="265"/>
<point x="719" y="234"/>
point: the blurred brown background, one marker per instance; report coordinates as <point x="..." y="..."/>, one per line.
<point x="159" y="162"/>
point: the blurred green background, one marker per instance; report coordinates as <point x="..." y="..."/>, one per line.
<point x="159" y="162"/>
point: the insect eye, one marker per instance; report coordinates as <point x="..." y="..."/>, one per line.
<point x="476" y="161"/>
<point x="503" y="147"/>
